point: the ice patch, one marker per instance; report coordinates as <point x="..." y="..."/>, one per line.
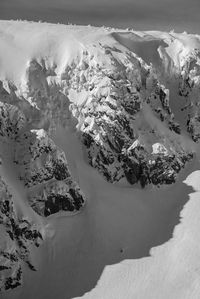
<point x="159" y="148"/>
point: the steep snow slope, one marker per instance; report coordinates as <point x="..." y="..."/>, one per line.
<point x="117" y="223"/>
<point x="126" y="103"/>
<point x="172" y="271"/>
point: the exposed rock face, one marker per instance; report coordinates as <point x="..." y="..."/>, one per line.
<point x="114" y="117"/>
<point x="42" y="167"/>
<point x="44" y="170"/>
<point x="11" y="121"/>
<point x="17" y="234"/>
<point x="38" y="160"/>
<point x="189" y="90"/>
<point x="117" y="100"/>
<point x="55" y="196"/>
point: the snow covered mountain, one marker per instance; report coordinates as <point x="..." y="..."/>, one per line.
<point x="130" y="98"/>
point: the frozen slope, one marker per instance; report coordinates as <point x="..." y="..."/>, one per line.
<point x="172" y="270"/>
<point x="98" y="129"/>
<point x="116" y="224"/>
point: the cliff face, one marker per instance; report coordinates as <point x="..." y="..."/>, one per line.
<point x="189" y="91"/>
<point x="132" y="99"/>
<point x="123" y="112"/>
<point x="17" y="235"/>
<point x="43" y="171"/>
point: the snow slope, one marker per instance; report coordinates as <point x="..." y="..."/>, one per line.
<point x="85" y="114"/>
<point x="116" y="224"/>
<point x="172" y="270"/>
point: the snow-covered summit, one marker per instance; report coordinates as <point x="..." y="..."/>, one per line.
<point x="130" y="97"/>
<point x="116" y="84"/>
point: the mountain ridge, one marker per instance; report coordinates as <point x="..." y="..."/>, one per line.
<point x="113" y="88"/>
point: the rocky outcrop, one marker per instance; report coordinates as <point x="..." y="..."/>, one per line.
<point x="17" y="234"/>
<point x="118" y="99"/>
<point x="111" y="102"/>
<point x="42" y="168"/>
<point x="57" y="196"/>
<point x="11" y="121"/>
<point x="189" y="83"/>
